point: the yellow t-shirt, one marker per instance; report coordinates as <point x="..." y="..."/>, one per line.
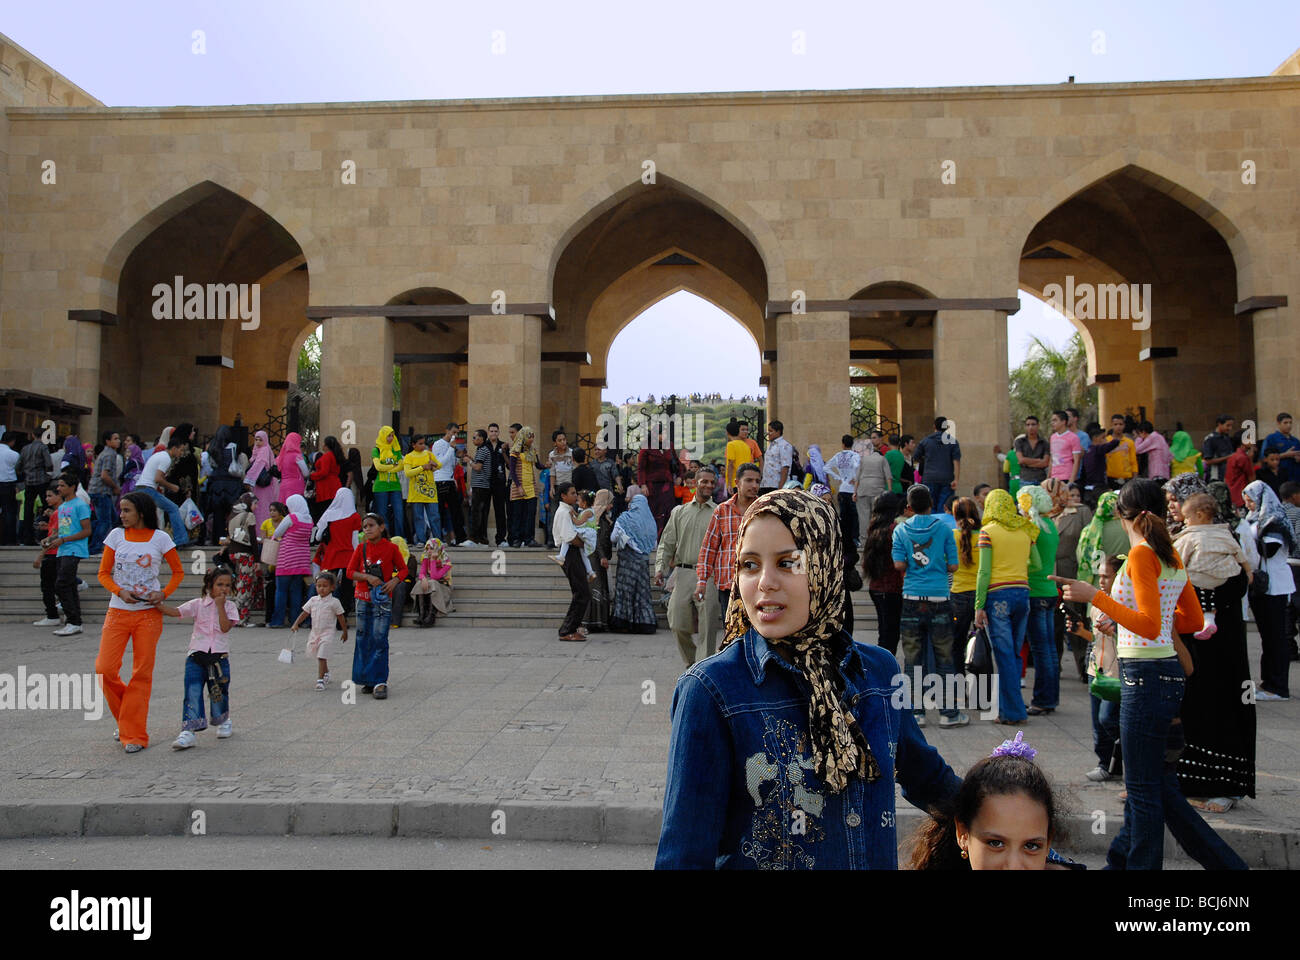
<point x="420" y="486"/>
<point x="1010" y="555"/>
<point x="963" y="580"/>
<point x="738" y="454"/>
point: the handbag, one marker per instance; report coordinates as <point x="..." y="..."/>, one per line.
<point x="1101" y="686"/>
<point x="979" y="652"/>
<point x="270" y="552"/>
<point x="265" y="477"/>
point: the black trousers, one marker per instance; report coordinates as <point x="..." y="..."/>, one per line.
<point x="452" y="507"/>
<point x="724" y="598"/>
<point x="849" y="521"/>
<point x="65" y="587"/>
<point x="480" y="501"/>
<point x="889" y="619"/>
<point x="502" y="510"/>
<point x="33" y="500"/>
<point x="1275" y="657"/>
<point x="49" y="576"/>
<point x="9" y="513"/>
<point x="576" y="573"/>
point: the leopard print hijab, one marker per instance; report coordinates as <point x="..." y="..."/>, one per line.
<point x="838" y="744"/>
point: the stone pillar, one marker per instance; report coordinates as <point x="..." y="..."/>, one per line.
<point x="589" y="411"/>
<point x="356" y="378"/>
<point x="428" y="396"/>
<point x="505" y="371"/>
<point x="970" y="388"/>
<point x="770" y="370"/>
<point x="887" y="401"/>
<point x="1277" y="380"/>
<point x="560" y="400"/>
<point x="461" y="384"/>
<point x="916" y="395"/>
<point x="812" y="378"/>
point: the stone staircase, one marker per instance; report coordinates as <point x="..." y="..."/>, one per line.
<point x="506" y="588"/>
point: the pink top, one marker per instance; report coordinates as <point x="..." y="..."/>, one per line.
<point x="207" y="636"/>
<point x="1159" y="460"/>
<point x="1064" y="446"/>
<point x="431" y="570"/>
<point x="295" y="552"/>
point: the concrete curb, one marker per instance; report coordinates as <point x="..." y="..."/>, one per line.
<point x="579" y="821"/>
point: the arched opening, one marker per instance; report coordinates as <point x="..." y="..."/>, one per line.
<point x="896" y="349"/>
<point x="1151" y="284"/>
<point x="210" y="309"/>
<point x="655" y="241"/>
<point x="431" y="361"/>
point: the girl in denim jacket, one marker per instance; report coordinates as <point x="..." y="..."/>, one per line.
<point x="786" y="745"/>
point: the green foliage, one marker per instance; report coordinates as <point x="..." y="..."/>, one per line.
<point x="1051" y="379"/>
<point x="307" y="390"/>
<point x="863" y="401"/>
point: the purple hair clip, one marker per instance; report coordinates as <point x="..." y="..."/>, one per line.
<point x="1015" y="748"/>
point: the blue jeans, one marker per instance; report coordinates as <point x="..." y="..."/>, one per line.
<point x="940" y="494"/>
<point x="926" y="634"/>
<point x="1105" y="729"/>
<point x="180" y="536"/>
<point x="196" y="681"/>
<point x="388" y="504"/>
<point x="288" y="599"/>
<point x="370" y="655"/>
<point x="1042" y="644"/>
<point x="1151" y="693"/>
<point x="428" y="522"/>
<point x="103" y="520"/>
<point x="1008" y="611"/>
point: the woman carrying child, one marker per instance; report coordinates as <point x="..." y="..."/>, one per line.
<point x="207" y="663"/>
<point x="326" y="614"/>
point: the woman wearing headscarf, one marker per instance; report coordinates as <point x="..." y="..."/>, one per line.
<point x="1006" y="560"/>
<point x="184" y="471"/>
<point x="74" y="460"/>
<point x="260" y="479"/>
<point x="1268" y="599"/>
<point x="326" y="475"/>
<point x="1103" y="537"/>
<point x="406" y="581"/>
<point x="1036" y="505"/>
<point x="226" y="480"/>
<point x="1217" y="766"/>
<point x="634" y="538"/>
<point x="293" y="468"/>
<point x="241" y="554"/>
<point x="354" y="478"/>
<point x="386" y="457"/>
<point x="521" y="466"/>
<point x="1185" y="458"/>
<point x="293" y="561"/>
<point x="432" y="590"/>
<point x="816" y="472"/>
<point x="656" y="466"/>
<point x="338" y="531"/>
<point x="786" y="745"/>
<point x="597" y="618"/>
<point x="131" y="467"/>
<point x="1071" y="516"/>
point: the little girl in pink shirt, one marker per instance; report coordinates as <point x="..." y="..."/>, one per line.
<point x="208" y="661"/>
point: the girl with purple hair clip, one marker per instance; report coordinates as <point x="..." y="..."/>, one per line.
<point x="1004" y="817"/>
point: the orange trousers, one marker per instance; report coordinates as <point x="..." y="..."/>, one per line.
<point x="129" y="702"/>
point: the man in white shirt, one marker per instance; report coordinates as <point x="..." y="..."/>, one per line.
<point x="843" y="469"/>
<point x="153" y="480"/>
<point x="777" y="460"/>
<point x="563" y="530"/>
<point x="9" y="457"/>
<point x="450" y="504"/>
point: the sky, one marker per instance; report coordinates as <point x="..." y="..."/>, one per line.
<point x="289" y="51"/>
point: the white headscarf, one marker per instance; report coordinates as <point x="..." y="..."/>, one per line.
<point x="297" y="505"/>
<point x="342" y="506"/>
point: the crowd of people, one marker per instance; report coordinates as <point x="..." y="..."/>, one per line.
<point x="1140" y="554"/>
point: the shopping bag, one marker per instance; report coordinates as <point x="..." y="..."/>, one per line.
<point x="979" y="653"/>
<point x="286" y="655"/>
<point x="270" y="552"/>
<point x="190" y="514"/>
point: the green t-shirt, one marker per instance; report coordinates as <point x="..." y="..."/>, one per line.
<point x="1045" y="546"/>
<point x="894" y="457"/>
<point x="387" y="482"/>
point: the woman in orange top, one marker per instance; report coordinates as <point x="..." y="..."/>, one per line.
<point x="1152" y="602"/>
<point x="129" y="569"/>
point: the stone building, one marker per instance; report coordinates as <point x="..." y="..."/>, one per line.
<point x="495" y="248"/>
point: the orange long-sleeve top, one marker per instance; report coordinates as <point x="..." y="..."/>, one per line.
<point x="1165" y="602"/>
<point x="109" y="560"/>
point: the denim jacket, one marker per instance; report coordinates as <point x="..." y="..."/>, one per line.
<point x="741" y="791"/>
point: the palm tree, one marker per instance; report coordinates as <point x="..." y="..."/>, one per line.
<point x="1052" y="379"/>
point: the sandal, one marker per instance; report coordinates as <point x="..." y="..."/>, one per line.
<point x="1010" y="723"/>
<point x="1213" y="805"/>
<point x="381" y="691"/>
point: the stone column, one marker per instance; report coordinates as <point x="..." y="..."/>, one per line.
<point x="812" y="378"/>
<point x="970" y="388"/>
<point x="560" y="398"/>
<point x="589" y="411"/>
<point x="461" y="378"/>
<point x="915" y="401"/>
<point x="887" y="400"/>
<point x="428" y="396"/>
<point x="505" y="371"/>
<point x="1277" y="381"/>
<point x="356" y="378"/>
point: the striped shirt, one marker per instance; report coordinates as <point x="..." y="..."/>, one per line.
<point x="295" y="555"/>
<point x="481" y="479"/>
<point x="717" y="557"/>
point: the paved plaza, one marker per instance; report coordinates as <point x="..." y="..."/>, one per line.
<point x="492" y="733"/>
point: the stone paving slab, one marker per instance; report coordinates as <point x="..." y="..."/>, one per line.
<point x="478" y="721"/>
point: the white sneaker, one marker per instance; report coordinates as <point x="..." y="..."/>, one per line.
<point x="1267" y="696"/>
<point x="68" y="630"/>
<point x="48" y="622"/>
<point x="81" y="585"/>
<point x="185" y="740"/>
<point x="920" y="719"/>
<point x="1099" y="775"/>
<point x="225" y="730"/>
<point x="958" y="721"/>
<point x="467" y="543"/>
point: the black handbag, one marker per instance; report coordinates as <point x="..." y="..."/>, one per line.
<point x="979" y="652"/>
<point x="265" y="477"/>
